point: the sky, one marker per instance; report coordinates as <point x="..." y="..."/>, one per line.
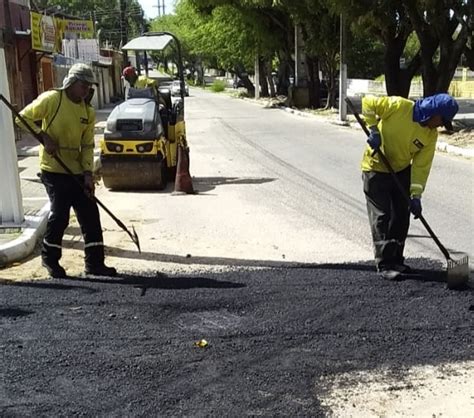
<point x="151" y="12"/>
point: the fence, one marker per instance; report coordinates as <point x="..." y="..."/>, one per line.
<point x="360" y="87"/>
<point x="463" y="89"/>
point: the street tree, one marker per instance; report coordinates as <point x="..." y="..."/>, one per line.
<point x="386" y="20"/>
<point x="442" y="28"/>
<point x="246" y="29"/>
<point x="320" y="27"/>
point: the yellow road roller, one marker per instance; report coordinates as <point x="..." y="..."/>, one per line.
<point x="139" y="148"/>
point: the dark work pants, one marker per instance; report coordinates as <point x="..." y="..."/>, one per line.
<point x="64" y="193"/>
<point x="389" y="215"/>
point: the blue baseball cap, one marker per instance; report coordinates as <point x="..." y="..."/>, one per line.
<point x="439" y="104"/>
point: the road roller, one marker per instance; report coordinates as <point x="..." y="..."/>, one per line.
<point x="140" y="144"/>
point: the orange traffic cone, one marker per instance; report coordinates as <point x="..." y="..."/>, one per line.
<point x="183" y="182"/>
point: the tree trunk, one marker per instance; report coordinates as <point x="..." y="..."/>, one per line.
<point x="329" y="65"/>
<point x="270" y="80"/>
<point x="450" y="54"/>
<point x="314" y="83"/>
<point x="469" y="55"/>
<point x="442" y="33"/>
<point x="332" y="91"/>
<point x="243" y="75"/>
<point x="397" y="80"/>
<point x="200" y="74"/>
<point x="428" y="70"/>
<point x="262" y="69"/>
<point x="284" y="73"/>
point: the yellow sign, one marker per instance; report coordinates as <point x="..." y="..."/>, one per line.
<point x="43" y="32"/>
<point x="47" y="32"/>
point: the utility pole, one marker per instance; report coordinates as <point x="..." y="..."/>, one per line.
<point x="11" y="206"/>
<point x="342" y="73"/>
<point x="123" y="27"/>
<point x="161" y="7"/>
<point x="257" y="76"/>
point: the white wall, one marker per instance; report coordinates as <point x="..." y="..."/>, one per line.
<point x="11" y="206"/>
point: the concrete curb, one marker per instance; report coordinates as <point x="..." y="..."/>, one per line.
<point x="453" y="150"/>
<point x="33" y="229"/>
<point x="28" y="151"/>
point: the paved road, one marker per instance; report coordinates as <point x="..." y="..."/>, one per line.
<point x="270" y="263"/>
<point x="125" y="347"/>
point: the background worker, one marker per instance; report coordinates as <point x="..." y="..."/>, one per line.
<point x="129" y="73"/>
<point x="67" y="130"/>
<point x="406" y="132"/>
<point x="144" y="82"/>
<point x="129" y="77"/>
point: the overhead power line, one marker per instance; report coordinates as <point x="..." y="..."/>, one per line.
<point x="161" y="7"/>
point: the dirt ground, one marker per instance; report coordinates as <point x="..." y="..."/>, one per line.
<point x="447" y="389"/>
<point x="464" y="138"/>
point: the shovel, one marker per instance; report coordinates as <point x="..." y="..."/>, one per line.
<point x="133" y="235"/>
<point x="457" y="270"/>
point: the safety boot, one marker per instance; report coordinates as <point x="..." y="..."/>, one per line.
<point x="54" y="269"/>
<point x="100" y="270"/>
<point x="95" y="262"/>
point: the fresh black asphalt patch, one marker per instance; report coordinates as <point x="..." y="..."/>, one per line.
<point x="126" y="346"/>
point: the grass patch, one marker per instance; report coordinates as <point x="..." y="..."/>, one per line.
<point x="218" y="86"/>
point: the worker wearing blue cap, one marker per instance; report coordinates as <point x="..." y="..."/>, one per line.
<point x="406" y="132"/>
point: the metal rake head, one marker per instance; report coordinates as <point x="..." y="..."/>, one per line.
<point x="458" y="272"/>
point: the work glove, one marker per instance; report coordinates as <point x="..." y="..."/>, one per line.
<point x="374" y="139"/>
<point x="415" y="206"/>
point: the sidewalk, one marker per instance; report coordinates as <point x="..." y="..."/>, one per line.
<point x="17" y="243"/>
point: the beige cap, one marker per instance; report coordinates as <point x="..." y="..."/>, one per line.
<point x="81" y="72"/>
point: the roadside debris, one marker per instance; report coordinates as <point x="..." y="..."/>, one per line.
<point x="201" y="343"/>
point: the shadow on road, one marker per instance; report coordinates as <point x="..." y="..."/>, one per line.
<point x="205" y="184"/>
<point x="424" y="269"/>
<point x="46" y="285"/>
<point x="161" y="281"/>
<point x="13" y="312"/>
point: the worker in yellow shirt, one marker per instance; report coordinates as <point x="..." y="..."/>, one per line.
<point x="406" y="132"/>
<point x="144" y="82"/>
<point x="67" y="129"/>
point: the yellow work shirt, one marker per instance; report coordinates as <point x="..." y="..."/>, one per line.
<point x="404" y="141"/>
<point x="72" y="128"/>
<point x="144" y="82"/>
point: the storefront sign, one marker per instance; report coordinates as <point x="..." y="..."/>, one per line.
<point x="44" y="32"/>
<point x="47" y="32"/>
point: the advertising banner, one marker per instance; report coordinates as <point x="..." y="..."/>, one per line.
<point x="44" y="32"/>
<point x="47" y="32"/>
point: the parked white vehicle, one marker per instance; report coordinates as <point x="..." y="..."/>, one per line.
<point x="176" y="88"/>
